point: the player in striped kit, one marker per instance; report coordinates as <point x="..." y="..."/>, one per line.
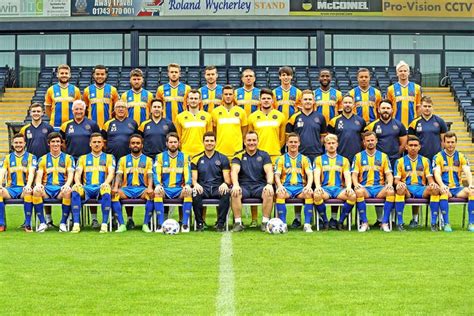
<point x="211" y="93"/>
<point x="248" y="96"/>
<point x="366" y="97"/>
<point x="287" y="97"/>
<point x="138" y="100"/>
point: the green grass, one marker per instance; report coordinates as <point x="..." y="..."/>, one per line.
<point x="417" y="272"/>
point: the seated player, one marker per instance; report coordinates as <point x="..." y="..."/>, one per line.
<point x="19" y="168"/>
<point x="252" y="177"/>
<point x="211" y="179"/>
<point x="332" y="179"/>
<point x="134" y="179"/>
<point x="412" y="178"/>
<point x="54" y="179"/>
<point x="94" y="175"/>
<point x="448" y="166"/>
<point x="172" y="178"/>
<point x="293" y="179"/>
<point x="372" y="178"/>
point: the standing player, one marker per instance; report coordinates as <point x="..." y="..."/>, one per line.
<point x="100" y="97"/>
<point x="287" y="97"/>
<point x="429" y="128"/>
<point x="404" y="95"/>
<point x="173" y="93"/>
<point x="93" y="178"/>
<point x="211" y="179"/>
<point x="311" y="127"/>
<point x="192" y="124"/>
<point x="270" y="125"/>
<point x="252" y="177"/>
<point x="59" y="98"/>
<point x="328" y="100"/>
<point x="19" y="168"/>
<point x="293" y="179"/>
<point x="366" y="97"/>
<point x="172" y="178"/>
<point x="117" y="131"/>
<point x="332" y="179"/>
<point x="134" y="180"/>
<point x="448" y="166"/>
<point x="391" y="140"/>
<point x="230" y="123"/>
<point x="54" y="179"/>
<point x="37" y="132"/>
<point x="372" y="178"/>
<point x="248" y="96"/>
<point x="212" y="92"/>
<point x="77" y="132"/>
<point x="413" y="178"/>
<point x="155" y="129"/>
<point x="138" y="100"/>
<point x="348" y="127"/>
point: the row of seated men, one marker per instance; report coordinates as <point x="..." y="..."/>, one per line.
<point x="250" y="174"/>
<point x="229" y="121"/>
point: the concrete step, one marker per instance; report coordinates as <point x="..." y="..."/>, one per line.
<point x="15" y="100"/>
<point x="18" y="94"/>
<point x="21" y="90"/>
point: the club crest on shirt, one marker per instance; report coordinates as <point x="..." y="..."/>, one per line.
<point x="102" y="162"/>
<point x="165" y="128"/>
<point x="24" y="162"/>
<point x="357" y="123"/>
<point x="62" y="164"/>
<point x="395" y="127"/>
<point x="130" y="125"/>
<point x="218" y="162"/>
<point x="377" y="162"/>
<point x="274" y="116"/>
<point x="44" y="131"/>
<point x="259" y="159"/>
<point x="420" y="167"/>
<point x="436" y="124"/>
<point x="203" y="118"/>
<point x="141" y="164"/>
<point x="236" y="114"/>
<point x="316" y="120"/>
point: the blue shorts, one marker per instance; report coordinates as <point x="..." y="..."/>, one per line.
<point x="252" y="191"/>
<point x="133" y="192"/>
<point x="91" y="191"/>
<point x="455" y="191"/>
<point x="52" y="190"/>
<point x="294" y="190"/>
<point x="173" y="193"/>
<point x="15" y="192"/>
<point x="333" y="191"/>
<point x="416" y="191"/>
<point x="374" y="190"/>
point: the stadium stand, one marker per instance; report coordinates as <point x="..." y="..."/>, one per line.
<point x="462" y="87"/>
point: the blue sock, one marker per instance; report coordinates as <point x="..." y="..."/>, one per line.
<point x="2" y="212"/>
<point x="346" y="209"/>
<point x="470" y="209"/>
<point x="362" y="209"/>
<point x="39" y="208"/>
<point x="117" y="209"/>
<point x="399" y="207"/>
<point x="444" y="207"/>
<point x="281" y="209"/>
<point x="434" y="207"/>
<point x="28" y="207"/>
<point x="76" y="207"/>
<point x="321" y="209"/>
<point x="308" y="211"/>
<point x="160" y="210"/>
<point x="187" y="204"/>
<point x="148" y="212"/>
<point x="106" y="205"/>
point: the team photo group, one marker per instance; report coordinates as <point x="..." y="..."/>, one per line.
<point x="234" y="145"/>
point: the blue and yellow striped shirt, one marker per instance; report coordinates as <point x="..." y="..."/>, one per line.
<point x="95" y="169"/>
<point x="135" y="170"/>
<point x="18" y="168"/>
<point x="172" y="172"/>
<point x="332" y="169"/>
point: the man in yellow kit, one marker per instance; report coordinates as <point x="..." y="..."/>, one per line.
<point x="192" y="124"/>
<point x="230" y="123"/>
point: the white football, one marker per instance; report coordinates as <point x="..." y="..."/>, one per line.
<point x="276" y="226"/>
<point x="170" y="227"/>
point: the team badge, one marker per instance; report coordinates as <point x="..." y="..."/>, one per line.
<point x="236" y="114"/>
<point x="395" y="127"/>
<point x="357" y="123"/>
<point x="258" y="117"/>
<point x="419" y="168"/>
<point x="259" y="159"/>
<point x="24" y="162"/>
<point x="62" y="164"/>
<point x="220" y="113"/>
<point x="141" y="164"/>
<point x="203" y="118"/>
<point x="102" y="162"/>
<point x="316" y="120"/>
<point x="185" y="117"/>
<point x="87" y="127"/>
<point x="274" y="116"/>
<point x="218" y="162"/>
<point x="130" y="125"/>
<point x="165" y="128"/>
<point x="377" y="162"/>
<point x="436" y="124"/>
<point x="44" y="131"/>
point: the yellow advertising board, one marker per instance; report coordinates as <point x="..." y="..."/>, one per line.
<point x="431" y="8"/>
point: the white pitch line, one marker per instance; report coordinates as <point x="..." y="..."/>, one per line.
<point x="225" y="297"/>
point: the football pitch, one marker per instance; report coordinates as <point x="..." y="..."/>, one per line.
<point x="415" y="272"/>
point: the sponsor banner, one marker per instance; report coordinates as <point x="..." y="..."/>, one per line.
<point x="336" y="8"/>
<point x="34" y="8"/>
<point x="225" y="7"/>
<point x="432" y="8"/>
<point x="116" y="7"/>
<point x="385" y="8"/>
